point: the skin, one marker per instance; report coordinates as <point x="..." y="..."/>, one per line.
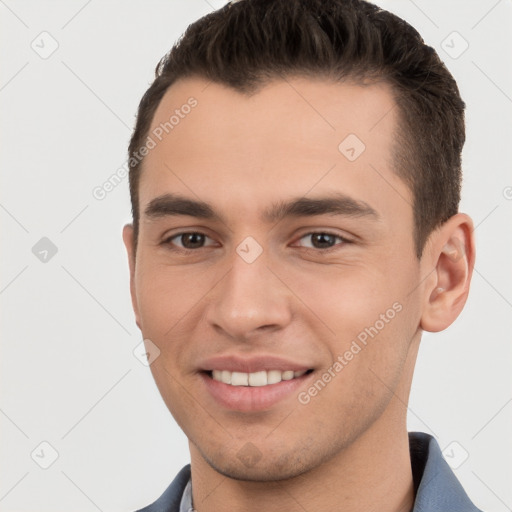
<point x="348" y="447"/>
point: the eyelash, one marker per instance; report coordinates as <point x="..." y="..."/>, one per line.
<point x="344" y="241"/>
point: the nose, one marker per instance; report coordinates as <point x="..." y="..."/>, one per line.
<point x="249" y="300"/>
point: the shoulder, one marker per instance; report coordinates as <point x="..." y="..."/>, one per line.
<point x="170" y="500"/>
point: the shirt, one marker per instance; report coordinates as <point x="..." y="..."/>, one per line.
<point x="436" y="486"/>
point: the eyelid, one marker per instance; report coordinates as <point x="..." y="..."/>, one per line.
<point x="343" y="238"/>
<point x="167" y="240"/>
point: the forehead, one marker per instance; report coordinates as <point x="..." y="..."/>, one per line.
<point x="288" y="112"/>
<point x="290" y="138"/>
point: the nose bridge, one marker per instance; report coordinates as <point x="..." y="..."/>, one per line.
<point x="249" y="297"/>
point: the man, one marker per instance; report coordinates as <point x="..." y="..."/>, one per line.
<point x="295" y="180"/>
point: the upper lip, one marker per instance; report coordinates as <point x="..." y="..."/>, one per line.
<point x="256" y="363"/>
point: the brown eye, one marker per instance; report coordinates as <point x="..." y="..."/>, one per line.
<point x="190" y="240"/>
<point x="321" y="240"/>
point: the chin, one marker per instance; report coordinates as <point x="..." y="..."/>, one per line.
<point x="250" y="465"/>
<point x="263" y="473"/>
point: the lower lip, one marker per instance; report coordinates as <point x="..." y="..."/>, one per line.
<point x="252" y="398"/>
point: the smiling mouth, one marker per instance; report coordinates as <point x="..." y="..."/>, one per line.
<point x="255" y="379"/>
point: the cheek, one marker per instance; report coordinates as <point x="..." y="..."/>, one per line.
<point x="348" y="299"/>
<point x="166" y="296"/>
<point x="365" y="320"/>
<point x="358" y="383"/>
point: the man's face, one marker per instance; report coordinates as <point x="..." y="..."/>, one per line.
<point x="304" y="258"/>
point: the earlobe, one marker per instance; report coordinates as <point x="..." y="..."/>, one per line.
<point x="129" y="243"/>
<point x="453" y="257"/>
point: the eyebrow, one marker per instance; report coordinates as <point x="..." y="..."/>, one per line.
<point x="333" y="204"/>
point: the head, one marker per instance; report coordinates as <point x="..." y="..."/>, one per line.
<point x="299" y="213"/>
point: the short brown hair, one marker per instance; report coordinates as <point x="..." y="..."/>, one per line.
<point x="247" y="44"/>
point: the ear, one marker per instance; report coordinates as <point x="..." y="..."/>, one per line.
<point x="129" y="243"/>
<point x="451" y="255"/>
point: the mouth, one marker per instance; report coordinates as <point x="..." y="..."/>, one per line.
<point x="252" y="392"/>
<point x="260" y="378"/>
<point x="255" y="382"/>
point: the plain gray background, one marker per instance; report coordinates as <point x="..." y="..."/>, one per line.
<point x="69" y="377"/>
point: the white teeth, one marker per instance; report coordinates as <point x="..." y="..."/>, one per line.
<point x="258" y="378"/>
<point x="274" y="376"/>
<point x="261" y="378"/>
<point x="239" y="379"/>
